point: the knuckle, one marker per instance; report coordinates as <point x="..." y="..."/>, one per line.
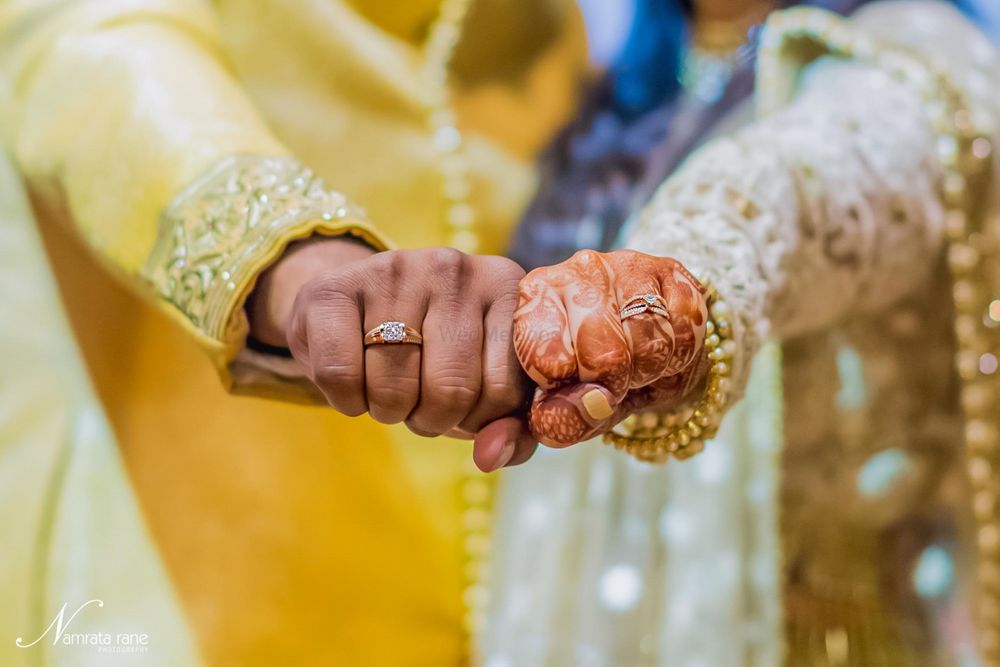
<point x="327" y="313"/>
<point x="627" y="253"/>
<point x="536" y="275"/>
<point x="333" y="287"/>
<point x="352" y="409"/>
<point x="297" y="336"/>
<point x="503" y="268"/>
<point x="668" y="263"/>
<point x="419" y="427"/>
<point x="503" y="393"/>
<point x="504" y="278"/>
<point x="337" y="377"/>
<point x="330" y="293"/>
<point x="535" y="283"/>
<point x="443" y="404"/>
<point x="391" y="398"/>
<point x="385" y="268"/>
<point x="451" y="395"/>
<point x="448" y="263"/>
<point x="585" y="256"/>
<point x="392" y="262"/>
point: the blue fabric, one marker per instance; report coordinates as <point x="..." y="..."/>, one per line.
<point x="637" y="126"/>
<point x="985" y="13"/>
<point x="647" y="70"/>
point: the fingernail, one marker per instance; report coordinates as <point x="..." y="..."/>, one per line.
<point x="505" y="455"/>
<point x="597" y="405"/>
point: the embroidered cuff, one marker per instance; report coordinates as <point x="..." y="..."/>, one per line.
<point x="218" y="235"/>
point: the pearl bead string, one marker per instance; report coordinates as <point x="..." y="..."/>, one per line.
<point x="476" y="488"/>
<point x="460" y="217"/>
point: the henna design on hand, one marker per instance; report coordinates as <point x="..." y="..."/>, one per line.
<point x="571" y="341"/>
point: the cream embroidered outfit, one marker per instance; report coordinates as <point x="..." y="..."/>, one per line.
<point x="828" y="523"/>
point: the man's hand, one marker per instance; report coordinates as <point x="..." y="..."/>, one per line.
<point x="324" y="294"/>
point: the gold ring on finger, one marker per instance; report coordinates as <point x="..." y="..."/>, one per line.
<point x="391" y="333"/>
<point x="644" y="303"/>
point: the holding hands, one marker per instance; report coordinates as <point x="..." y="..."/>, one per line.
<point x="600" y="336"/>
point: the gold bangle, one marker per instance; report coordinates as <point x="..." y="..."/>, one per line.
<point x="654" y="438"/>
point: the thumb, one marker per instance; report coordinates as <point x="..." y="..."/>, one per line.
<point x="571" y="414"/>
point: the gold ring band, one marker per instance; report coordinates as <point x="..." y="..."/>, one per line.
<point x="644" y="303"/>
<point x="392" y="333"/>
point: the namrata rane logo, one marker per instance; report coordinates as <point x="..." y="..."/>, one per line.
<point x="103" y="642"/>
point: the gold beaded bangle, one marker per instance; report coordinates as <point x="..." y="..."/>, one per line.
<point x="654" y="438"/>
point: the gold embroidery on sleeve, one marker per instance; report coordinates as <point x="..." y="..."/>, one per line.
<point x="217" y="235"/>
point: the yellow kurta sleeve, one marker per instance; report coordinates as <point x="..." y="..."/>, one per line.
<point x="124" y="115"/>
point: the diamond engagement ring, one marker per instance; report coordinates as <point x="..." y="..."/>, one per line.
<point x="389" y="333"/>
<point x="652" y="303"/>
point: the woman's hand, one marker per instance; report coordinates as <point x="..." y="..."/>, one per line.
<point x="321" y="297"/>
<point x="593" y="368"/>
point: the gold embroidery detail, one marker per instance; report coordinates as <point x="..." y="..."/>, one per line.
<point x="795" y="38"/>
<point x="217" y="235"/>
